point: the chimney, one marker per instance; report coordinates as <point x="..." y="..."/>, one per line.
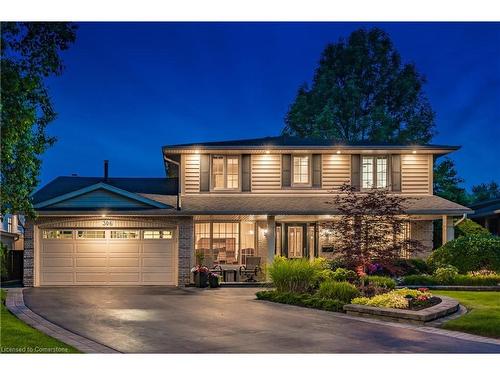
<point x="106" y="163"/>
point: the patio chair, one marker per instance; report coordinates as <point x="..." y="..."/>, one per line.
<point x="251" y="269"/>
<point x="209" y="262"/>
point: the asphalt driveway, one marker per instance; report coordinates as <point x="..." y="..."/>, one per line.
<point x="227" y="320"/>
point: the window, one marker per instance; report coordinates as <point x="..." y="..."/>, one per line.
<point x="125" y="234"/>
<point x="158" y="234"/>
<point x="57" y="234"/>
<point x="218" y="243"/>
<point x="301" y="170"/>
<point x="225" y="172"/>
<point x="90" y="234"/>
<point x="374" y="172"/>
<point x="9" y="223"/>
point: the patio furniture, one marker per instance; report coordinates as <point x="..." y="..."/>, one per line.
<point x="251" y="269"/>
<point x="245" y="253"/>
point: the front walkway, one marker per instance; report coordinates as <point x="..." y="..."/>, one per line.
<point x="228" y="320"/>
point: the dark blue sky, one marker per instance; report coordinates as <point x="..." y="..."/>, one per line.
<point x="130" y="88"/>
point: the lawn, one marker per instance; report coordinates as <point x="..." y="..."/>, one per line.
<point x="18" y="337"/>
<point x="483" y="317"/>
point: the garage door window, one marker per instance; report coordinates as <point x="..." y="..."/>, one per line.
<point x="125" y="234"/>
<point x="90" y="234"/>
<point x="57" y="234"/>
<point x="158" y="234"/>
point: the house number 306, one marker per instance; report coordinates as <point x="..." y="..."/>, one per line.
<point x="107" y="223"/>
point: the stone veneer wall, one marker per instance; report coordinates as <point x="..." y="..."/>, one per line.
<point x="185" y="236"/>
<point x="423" y="232"/>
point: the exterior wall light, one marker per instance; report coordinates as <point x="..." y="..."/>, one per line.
<point x="338" y="152"/>
<point x="267" y="151"/>
<point x="414" y="152"/>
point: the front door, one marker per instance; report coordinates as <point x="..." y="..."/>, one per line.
<point x="295" y="241"/>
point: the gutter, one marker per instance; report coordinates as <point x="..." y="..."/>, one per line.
<point x="460" y="220"/>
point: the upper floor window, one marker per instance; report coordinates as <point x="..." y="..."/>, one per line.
<point x="301" y="167"/>
<point x="374" y="172"/>
<point x="225" y="172"/>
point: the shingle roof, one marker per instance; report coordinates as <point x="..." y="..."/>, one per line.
<point x="286" y="141"/>
<point x="282" y="205"/>
<point x="66" y="184"/>
<point x="486" y="208"/>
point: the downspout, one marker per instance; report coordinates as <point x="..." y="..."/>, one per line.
<point x="460" y="220"/>
<point x="179" y="203"/>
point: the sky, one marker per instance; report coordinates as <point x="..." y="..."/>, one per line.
<point x="130" y="88"/>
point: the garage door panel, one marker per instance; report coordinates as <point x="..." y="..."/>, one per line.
<point x="58" y="277"/>
<point x="123" y="247"/>
<point x="124" y="262"/>
<point x="57" y="262"/>
<point x="90" y="247"/>
<point x="92" y="262"/>
<point x="124" y="277"/>
<point x="108" y="261"/>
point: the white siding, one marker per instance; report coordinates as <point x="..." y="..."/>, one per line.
<point x="266" y="173"/>
<point x="191" y="163"/>
<point x="336" y="170"/>
<point x="415" y="174"/>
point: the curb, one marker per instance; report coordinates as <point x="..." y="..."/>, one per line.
<point x="15" y="304"/>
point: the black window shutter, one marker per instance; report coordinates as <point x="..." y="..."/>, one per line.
<point x="316" y="175"/>
<point x="286" y="167"/>
<point x="396" y="172"/>
<point x="205" y="172"/>
<point x="355" y="176"/>
<point x="245" y="173"/>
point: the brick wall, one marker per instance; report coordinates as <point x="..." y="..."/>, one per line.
<point x="185" y="238"/>
<point x="423" y="232"/>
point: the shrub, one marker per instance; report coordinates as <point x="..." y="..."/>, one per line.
<point x="337" y="263"/>
<point x="419" y="280"/>
<point x="469" y="253"/>
<point x="445" y="275"/>
<point x="394" y="299"/>
<point x="468" y="227"/>
<point x="379" y="281"/>
<point x="293" y="275"/>
<point x="300" y="299"/>
<point x="342" y="291"/>
<point x="343" y="274"/>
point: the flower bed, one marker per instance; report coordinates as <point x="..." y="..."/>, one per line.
<point x="407" y="299"/>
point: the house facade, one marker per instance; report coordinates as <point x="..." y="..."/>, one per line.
<point x="225" y="201"/>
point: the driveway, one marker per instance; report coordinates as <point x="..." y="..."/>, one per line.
<point x="227" y="320"/>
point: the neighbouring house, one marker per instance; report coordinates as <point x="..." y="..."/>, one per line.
<point x="487" y="214"/>
<point x="12" y="236"/>
<point x="230" y="201"/>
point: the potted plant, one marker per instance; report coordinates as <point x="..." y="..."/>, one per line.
<point x="214" y="280"/>
<point x="200" y="276"/>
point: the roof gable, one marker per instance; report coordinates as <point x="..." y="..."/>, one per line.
<point x="100" y="195"/>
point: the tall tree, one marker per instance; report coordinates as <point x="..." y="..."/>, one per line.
<point x="361" y="91"/>
<point x="447" y="182"/>
<point x="29" y="54"/>
<point x="484" y="192"/>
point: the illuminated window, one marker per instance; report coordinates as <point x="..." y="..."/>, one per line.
<point x="125" y="234"/>
<point x="90" y="234"/>
<point x="225" y="172"/>
<point x="57" y="234"/>
<point x="374" y="172"/>
<point x="218" y="243"/>
<point x="301" y="169"/>
<point x="158" y="234"/>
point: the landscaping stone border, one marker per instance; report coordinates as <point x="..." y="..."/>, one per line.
<point x="15" y="304"/>
<point x="446" y="307"/>
<point x="465" y="288"/>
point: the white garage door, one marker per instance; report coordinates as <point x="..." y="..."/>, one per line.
<point x="108" y="257"/>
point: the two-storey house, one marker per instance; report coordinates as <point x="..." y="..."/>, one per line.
<point x="225" y="201"/>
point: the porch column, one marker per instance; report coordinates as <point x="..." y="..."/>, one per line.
<point x="271" y="238"/>
<point x="448" y="229"/>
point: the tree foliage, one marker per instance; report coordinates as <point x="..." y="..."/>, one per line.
<point x="485" y="192"/>
<point x="447" y="182"/>
<point x="30" y="53"/>
<point x="370" y="226"/>
<point x="361" y="91"/>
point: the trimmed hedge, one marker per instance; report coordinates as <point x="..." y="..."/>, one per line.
<point x="468" y="227"/>
<point x="301" y="299"/>
<point x="462" y="280"/>
<point x="380" y="281"/>
<point x="469" y="253"/>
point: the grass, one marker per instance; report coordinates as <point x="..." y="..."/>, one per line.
<point x="483" y="317"/>
<point x="18" y="337"/>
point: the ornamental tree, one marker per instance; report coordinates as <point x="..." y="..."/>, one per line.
<point x="371" y="226"/>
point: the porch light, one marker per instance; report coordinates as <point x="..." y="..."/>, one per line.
<point x="267" y="152"/>
<point x="196" y="151"/>
<point x="338" y="152"/>
<point x="414" y="152"/>
<point x="103" y="215"/>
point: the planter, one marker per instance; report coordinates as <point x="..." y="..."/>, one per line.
<point x="201" y="279"/>
<point x="214" y="281"/>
